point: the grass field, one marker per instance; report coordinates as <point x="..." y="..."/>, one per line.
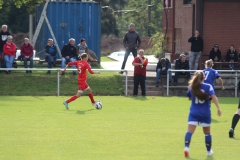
<point x="129" y="128"/>
<point x="41" y="84"/>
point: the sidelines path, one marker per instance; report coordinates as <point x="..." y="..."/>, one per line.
<point x="118" y="64"/>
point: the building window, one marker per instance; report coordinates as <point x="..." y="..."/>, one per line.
<point x="186" y="2"/>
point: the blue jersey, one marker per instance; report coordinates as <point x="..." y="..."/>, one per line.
<point x="200" y="109"/>
<point x="210" y="76"/>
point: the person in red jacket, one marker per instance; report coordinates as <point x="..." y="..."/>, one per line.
<point x="27" y="54"/>
<point x="140" y="64"/>
<point x="9" y="50"/>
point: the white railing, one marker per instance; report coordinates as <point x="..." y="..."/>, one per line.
<point x="230" y="71"/>
<point x="58" y="74"/>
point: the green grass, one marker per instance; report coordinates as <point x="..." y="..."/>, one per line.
<point x="128" y="128"/>
<point x="40" y="84"/>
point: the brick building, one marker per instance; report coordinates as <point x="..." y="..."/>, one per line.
<point x="217" y="20"/>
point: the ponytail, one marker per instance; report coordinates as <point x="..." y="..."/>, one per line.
<point x="195" y="83"/>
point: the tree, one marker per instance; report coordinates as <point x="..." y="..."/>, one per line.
<point x="109" y="20"/>
<point x="138" y="15"/>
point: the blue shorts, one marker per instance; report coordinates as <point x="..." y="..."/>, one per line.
<point x="199" y="120"/>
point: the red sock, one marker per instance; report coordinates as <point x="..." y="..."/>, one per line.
<point x="91" y="97"/>
<point x="71" y="99"/>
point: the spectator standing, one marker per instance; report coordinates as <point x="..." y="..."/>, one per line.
<point x="50" y="55"/>
<point x="196" y="50"/>
<point x="231" y="56"/>
<point x="3" y="35"/>
<point x="27" y="54"/>
<point x="215" y="54"/>
<point x="9" y="50"/>
<point x="131" y="42"/>
<point x="181" y="64"/>
<point x="140" y="64"/>
<point x="69" y="54"/>
<point x="162" y="67"/>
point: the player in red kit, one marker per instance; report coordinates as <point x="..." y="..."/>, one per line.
<point x="81" y="65"/>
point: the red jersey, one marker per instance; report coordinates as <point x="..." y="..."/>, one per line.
<point x="81" y="66"/>
<point x="140" y="70"/>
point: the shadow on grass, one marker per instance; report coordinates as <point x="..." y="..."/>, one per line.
<point x="141" y="98"/>
<point x="83" y="112"/>
<point x="209" y="158"/>
<point x="216" y="121"/>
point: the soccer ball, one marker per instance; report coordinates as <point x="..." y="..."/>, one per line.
<point x="98" y="105"/>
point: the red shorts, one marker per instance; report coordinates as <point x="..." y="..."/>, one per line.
<point x="82" y="85"/>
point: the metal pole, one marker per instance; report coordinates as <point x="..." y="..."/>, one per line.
<point x="58" y="83"/>
<point x="126" y="84"/>
<point x="168" y="82"/>
<point x="149" y="18"/>
<point x="30" y="27"/>
<point x="236" y="78"/>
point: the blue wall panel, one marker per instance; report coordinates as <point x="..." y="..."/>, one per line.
<point x="71" y="20"/>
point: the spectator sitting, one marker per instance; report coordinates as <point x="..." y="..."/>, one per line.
<point x="9" y="50"/>
<point x="231" y="56"/>
<point x="215" y="54"/>
<point x="27" y="54"/>
<point x="162" y="67"/>
<point x="181" y="64"/>
<point x="51" y="52"/>
<point x="69" y="54"/>
<point x="83" y="48"/>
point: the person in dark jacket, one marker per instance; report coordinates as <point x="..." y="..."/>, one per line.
<point x="232" y="56"/>
<point x="181" y="64"/>
<point x="3" y="39"/>
<point x="215" y="54"/>
<point x="196" y="50"/>
<point x="162" y="67"/>
<point x="27" y="54"/>
<point x="131" y="42"/>
<point x="69" y="54"/>
<point x="50" y="55"/>
<point x="3" y="35"/>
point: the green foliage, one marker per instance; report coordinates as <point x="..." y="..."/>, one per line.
<point x="139" y="16"/>
<point x="15" y="13"/>
<point x="109" y="21"/>
<point x="126" y="128"/>
<point x="159" y="44"/>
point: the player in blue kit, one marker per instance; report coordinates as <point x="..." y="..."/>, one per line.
<point x="211" y="74"/>
<point x="200" y="113"/>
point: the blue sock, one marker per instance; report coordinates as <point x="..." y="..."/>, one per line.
<point x="188" y="137"/>
<point x="208" y="141"/>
